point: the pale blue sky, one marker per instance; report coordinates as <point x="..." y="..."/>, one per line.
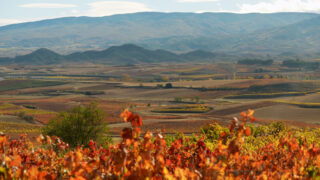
<point x="14" y="11"/>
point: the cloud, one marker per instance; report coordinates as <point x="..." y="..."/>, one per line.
<point x="47" y="5"/>
<point x="196" y="1"/>
<point x="282" y="6"/>
<point x="105" y="8"/>
<point x="4" y="21"/>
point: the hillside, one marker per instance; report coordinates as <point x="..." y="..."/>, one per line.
<point x="116" y="55"/>
<point x="302" y="37"/>
<point x="179" y="32"/>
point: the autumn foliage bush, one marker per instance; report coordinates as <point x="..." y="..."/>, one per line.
<point x="151" y="158"/>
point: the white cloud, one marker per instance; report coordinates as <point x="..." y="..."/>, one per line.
<point x="4" y="22"/>
<point x="47" y="5"/>
<point x="196" y="1"/>
<point x="282" y="6"/>
<point x="105" y="8"/>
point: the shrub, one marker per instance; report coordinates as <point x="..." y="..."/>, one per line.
<point x="79" y="125"/>
<point x="24" y="116"/>
<point x="212" y="132"/>
<point x="159" y="86"/>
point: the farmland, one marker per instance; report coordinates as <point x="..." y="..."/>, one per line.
<point x="184" y="109"/>
<point x="178" y="97"/>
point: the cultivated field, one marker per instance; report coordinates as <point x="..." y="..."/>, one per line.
<point x="181" y="98"/>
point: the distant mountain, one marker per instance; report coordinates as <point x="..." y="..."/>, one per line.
<point x="115" y="55"/>
<point x="301" y="37"/>
<point x="127" y="53"/>
<point x="40" y="57"/>
<point x="178" y="32"/>
<point x="298" y="39"/>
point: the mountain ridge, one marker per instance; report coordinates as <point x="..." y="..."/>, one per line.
<point x="115" y="55"/>
<point x="176" y="32"/>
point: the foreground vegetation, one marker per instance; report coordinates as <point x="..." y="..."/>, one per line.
<point x="79" y="125"/>
<point x="278" y="152"/>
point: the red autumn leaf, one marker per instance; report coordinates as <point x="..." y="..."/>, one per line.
<point x="128" y="116"/>
<point x="243" y="114"/>
<point x="247" y="131"/>
<point x="223" y="134"/>
<point x="127" y="133"/>
<point x="252" y="119"/>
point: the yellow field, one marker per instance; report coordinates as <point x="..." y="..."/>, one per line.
<point x="197" y="108"/>
<point x="188" y="70"/>
<point x="7" y="108"/>
<point x="7" y="127"/>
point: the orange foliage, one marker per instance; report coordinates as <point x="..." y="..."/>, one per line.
<point x="150" y="158"/>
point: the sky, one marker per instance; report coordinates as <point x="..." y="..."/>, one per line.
<point x="16" y="11"/>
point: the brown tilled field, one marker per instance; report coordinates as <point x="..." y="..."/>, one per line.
<point x="289" y="113"/>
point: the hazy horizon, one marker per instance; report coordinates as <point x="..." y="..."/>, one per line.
<point x="14" y="11"/>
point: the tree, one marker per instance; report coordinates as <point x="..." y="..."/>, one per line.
<point x="168" y="85"/>
<point x="79" y="125"/>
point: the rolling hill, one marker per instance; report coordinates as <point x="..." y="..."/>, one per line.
<point x="115" y="55"/>
<point x="177" y="32"/>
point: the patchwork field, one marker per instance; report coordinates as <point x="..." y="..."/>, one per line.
<point x="182" y="98"/>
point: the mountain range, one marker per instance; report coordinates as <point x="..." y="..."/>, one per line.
<point x="115" y="55"/>
<point x="227" y="33"/>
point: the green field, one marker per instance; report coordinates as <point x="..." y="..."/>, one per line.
<point x="184" y="109"/>
<point x="9" y="85"/>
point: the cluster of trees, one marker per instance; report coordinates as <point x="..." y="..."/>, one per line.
<point x="167" y="86"/>
<point x="301" y="64"/>
<point x="256" y="62"/>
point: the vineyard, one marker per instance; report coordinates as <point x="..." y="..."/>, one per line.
<point x="241" y="151"/>
<point x="266" y="95"/>
<point x="184" y="109"/>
